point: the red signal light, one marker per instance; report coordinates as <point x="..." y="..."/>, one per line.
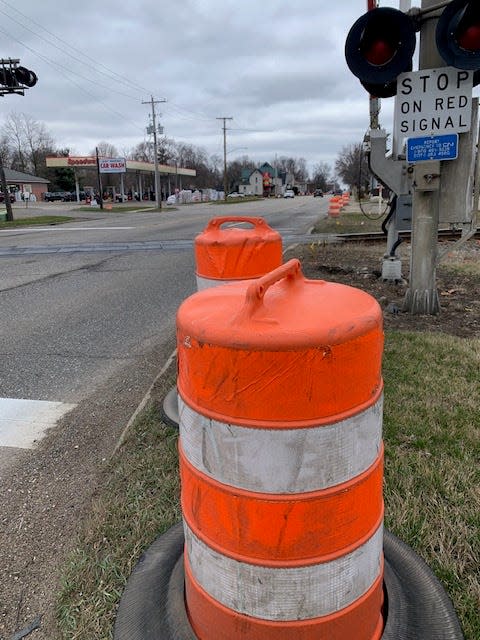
<point x="469" y="38"/>
<point x="379" y="52"/>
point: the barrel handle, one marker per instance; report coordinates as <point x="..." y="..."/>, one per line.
<point x="256" y="291"/>
<point x="216" y="223"/>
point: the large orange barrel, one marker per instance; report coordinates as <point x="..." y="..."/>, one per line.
<point x="225" y="253"/>
<point x="281" y="459"/>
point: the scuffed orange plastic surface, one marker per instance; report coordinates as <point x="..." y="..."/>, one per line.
<point x="232" y="253"/>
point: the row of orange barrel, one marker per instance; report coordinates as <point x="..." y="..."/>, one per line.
<point x="336" y="204"/>
<point x="281" y="458"/>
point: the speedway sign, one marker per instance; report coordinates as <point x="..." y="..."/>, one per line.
<point x="112" y="165"/>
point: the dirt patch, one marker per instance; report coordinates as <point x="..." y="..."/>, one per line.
<point x="360" y="265"/>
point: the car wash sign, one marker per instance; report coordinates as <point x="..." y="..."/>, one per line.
<point x="432" y="101"/>
<point x="112" y="165"/>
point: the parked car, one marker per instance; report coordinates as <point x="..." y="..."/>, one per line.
<point x="11" y="196"/>
<point x="53" y="196"/>
<point x="318" y="193"/>
<point x="289" y="194"/>
<point x="235" y="194"/>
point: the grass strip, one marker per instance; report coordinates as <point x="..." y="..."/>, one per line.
<point x="432" y="442"/>
<point x="27" y="222"/>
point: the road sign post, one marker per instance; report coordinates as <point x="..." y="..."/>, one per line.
<point x="437" y="101"/>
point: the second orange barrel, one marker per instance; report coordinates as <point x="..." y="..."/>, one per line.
<point x="281" y="459"/>
<point x="226" y="253"/>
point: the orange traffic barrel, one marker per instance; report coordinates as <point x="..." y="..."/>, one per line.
<point x="226" y="253"/>
<point x="345" y="197"/>
<point x="334" y="207"/>
<point x="281" y="459"/>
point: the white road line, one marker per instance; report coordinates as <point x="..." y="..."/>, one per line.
<point x="24" y="422"/>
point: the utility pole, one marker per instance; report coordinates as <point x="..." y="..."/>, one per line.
<point x="3" y="184"/>
<point x="422" y="294"/>
<point x="225" y="179"/>
<point x="158" y="195"/>
<point x="99" y="179"/>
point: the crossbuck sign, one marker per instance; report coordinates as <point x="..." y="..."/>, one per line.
<point x="431" y="102"/>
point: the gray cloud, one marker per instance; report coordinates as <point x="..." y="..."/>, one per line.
<point x="276" y="68"/>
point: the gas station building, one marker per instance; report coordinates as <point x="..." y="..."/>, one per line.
<point x="139" y="176"/>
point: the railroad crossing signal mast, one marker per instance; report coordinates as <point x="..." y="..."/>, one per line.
<point x="13" y="79"/>
<point x="431" y="167"/>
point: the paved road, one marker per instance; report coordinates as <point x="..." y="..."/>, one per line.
<point x="82" y="301"/>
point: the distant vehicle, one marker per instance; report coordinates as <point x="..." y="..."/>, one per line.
<point x="318" y="193"/>
<point x="54" y="196"/>
<point x="235" y="194"/>
<point x="289" y="194"/>
<point x="11" y="196"/>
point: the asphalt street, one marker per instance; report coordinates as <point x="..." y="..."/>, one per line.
<point x="82" y="301"/>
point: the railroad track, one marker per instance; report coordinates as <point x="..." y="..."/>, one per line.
<point x="378" y="236"/>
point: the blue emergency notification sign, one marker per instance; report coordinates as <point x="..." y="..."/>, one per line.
<point x="442" y="147"/>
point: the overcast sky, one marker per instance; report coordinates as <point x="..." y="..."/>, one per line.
<point x="277" y="68"/>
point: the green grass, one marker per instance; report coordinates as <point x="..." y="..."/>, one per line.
<point x="432" y="495"/>
<point x="27" y="222"/>
<point x="432" y="452"/>
<point x="349" y="221"/>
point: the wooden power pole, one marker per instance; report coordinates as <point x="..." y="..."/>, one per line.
<point x="225" y="177"/>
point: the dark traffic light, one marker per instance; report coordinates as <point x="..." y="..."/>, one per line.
<point x="379" y="47"/>
<point x="458" y="34"/>
<point x="13" y="79"/>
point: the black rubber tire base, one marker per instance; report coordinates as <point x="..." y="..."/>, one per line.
<point x="153" y="608"/>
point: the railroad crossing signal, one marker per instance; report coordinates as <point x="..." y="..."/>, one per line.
<point x="379" y="47"/>
<point x="381" y="44"/>
<point x="458" y="34"/>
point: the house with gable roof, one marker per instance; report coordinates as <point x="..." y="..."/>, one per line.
<point x="251" y="182"/>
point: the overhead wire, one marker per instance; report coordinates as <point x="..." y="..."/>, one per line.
<point x="181" y="111"/>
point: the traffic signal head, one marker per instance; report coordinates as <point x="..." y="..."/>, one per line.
<point x="379" y="47"/>
<point x="458" y="34"/>
<point x="14" y="79"/>
<point x="25" y="76"/>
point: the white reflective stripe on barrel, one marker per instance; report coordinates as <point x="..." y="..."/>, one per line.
<point x="294" y="593"/>
<point x="279" y="460"/>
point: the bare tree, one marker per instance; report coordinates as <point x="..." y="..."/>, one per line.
<point x="352" y="167"/>
<point x="295" y="166"/>
<point x="322" y="175"/>
<point x="29" y="143"/>
<point x="105" y="150"/>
